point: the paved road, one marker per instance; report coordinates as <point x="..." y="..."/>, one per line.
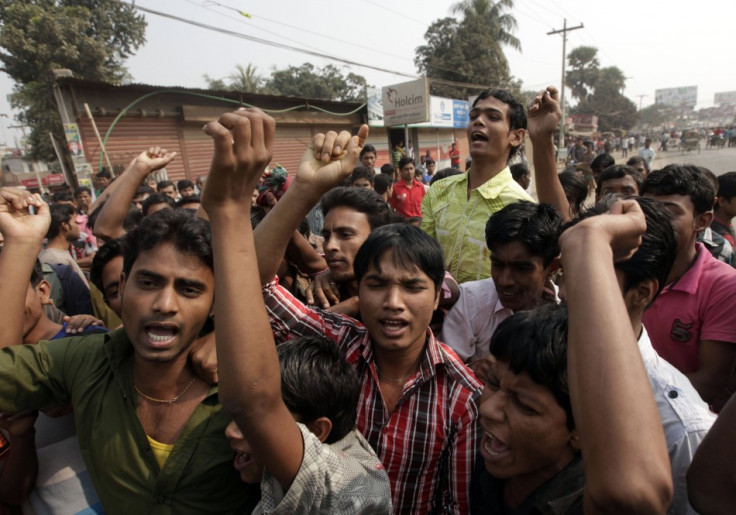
<point x="718" y="161"/>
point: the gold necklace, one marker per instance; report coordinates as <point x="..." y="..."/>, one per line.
<point x="164" y="401"/>
<point x="391" y="379"/>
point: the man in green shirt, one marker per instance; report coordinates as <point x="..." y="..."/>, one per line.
<point x="151" y="433"/>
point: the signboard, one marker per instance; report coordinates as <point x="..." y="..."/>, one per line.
<point x="460" y="114"/>
<point x="52" y="179"/>
<point x="406" y="103"/>
<point x="375" y="107"/>
<point x="677" y="97"/>
<point x="441" y="112"/>
<point x="726" y="97"/>
<point x="71" y="131"/>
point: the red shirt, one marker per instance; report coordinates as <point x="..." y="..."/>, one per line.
<point x="454" y="156"/>
<point x="428" y="444"/>
<point x="407" y="201"/>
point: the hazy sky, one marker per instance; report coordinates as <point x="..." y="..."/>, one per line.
<point x="657" y="44"/>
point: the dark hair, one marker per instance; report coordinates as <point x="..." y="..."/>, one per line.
<point x="367" y="148"/>
<point x="104" y="255"/>
<point x="184" y="184"/>
<point x="361" y="172"/>
<point x="443" y="174"/>
<point x="405" y="161"/>
<point x="362" y="200"/>
<point x="381" y="183"/>
<point x="81" y="190"/>
<point x="575" y="188"/>
<point x="618" y="172"/>
<point x="60" y="214"/>
<point x="189" y="234"/>
<point x="535" y="341"/>
<point x="681" y="180"/>
<point x="156" y="198"/>
<point x="519" y="170"/>
<point x="36" y="272"/>
<point x="191" y="199"/>
<point x="410" y="247"/>
<point x="388" y="169"/>
<point x="104" y="173"/>
<point x="164" y="184"/>
<point x="316" y="381"/>
<point x="634" y="160"/>
<point x="727" y="185"/>
<point x="132" y="218"/>
<point x="62" y="196"/>
<point x="658" y="249"/>
<point x="536" y="226"/>
<point x="143" y="190"/>
<point x="517" y="114"/>
<point x="427" y="161"/>
<point x="601" y="162"/>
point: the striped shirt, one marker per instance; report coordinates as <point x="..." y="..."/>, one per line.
<point x="428" y="444"/>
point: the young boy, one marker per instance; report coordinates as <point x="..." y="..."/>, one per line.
<point x="297" y="421"/>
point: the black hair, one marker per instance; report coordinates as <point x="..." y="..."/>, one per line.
<point x="686" y="180"/>
<point x="519" y="170"/>
<point x="535" y="341"/>
<point x="536" y="226"/>
<point x="156" y="198"/>
<point x="601" y="162"/>
<point x="164" y="184"/>
<point x="132" y="218"/>
<point x="576" y="189"/>
<point x="184" y="184"/>
<point x="104" y="173"/>
<point x="727" y="185"/>
<point x="405" y="161"/>
<point x="81" y="190"/>
<point x="191" y="199"/>
<point x="363" y="200"/>
<point x="443" y="174"/>
<point x="367" y="148"/>
<point x="658" y="249"/>
<point x="634" y="160"/>
<point x="381" y="183"/>
<point x="362" y="172"/>
<point x="516" y="113"/>
<point x="60" y="214"/>
<point x="427" y="161"/>
<point x="410" y="247"/>
<point x="143" y="190"/>
<point x="92" y="216"/>
<point x="618" y="172"/>
<point x="62" y="196"/>
<point x="36" y="273"/>
<point x="104" y="255"/>
<point x="388" y="169"/>
<point x="189" y="234"/>
<point x="316" y="381"/>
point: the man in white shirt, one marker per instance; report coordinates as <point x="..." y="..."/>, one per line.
<point x="647" y="152"/>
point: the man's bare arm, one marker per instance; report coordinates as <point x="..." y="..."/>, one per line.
<point x="624" y="452"/>
<point x="543" y="118"/>
<point x="715" y="372"/>
<point x="109" y="224"/>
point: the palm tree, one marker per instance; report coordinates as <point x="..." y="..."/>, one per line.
<point x="501" y="24"/>
<point x="245" y="79"/>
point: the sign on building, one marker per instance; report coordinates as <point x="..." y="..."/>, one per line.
<point x="686" y="96"/>
<point x="375" y="107"/>
<point x="725" y="98"/>
<point x="406" y="103"/>
<point x="460" y="114"/>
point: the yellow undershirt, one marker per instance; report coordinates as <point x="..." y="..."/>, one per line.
<point x="160" y="450"/>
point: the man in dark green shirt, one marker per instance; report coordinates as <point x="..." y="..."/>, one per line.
<point x="150" y="431"/>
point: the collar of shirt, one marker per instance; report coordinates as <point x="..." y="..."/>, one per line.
<point x="493" y="187"/>
<point x="688" y="283"/>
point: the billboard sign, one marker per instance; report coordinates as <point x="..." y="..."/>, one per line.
<point x="725" y="98"/>
<point x="441" y="110"/>
<point x="406" y="103"/>
<point x="375" y="107"/>
<point x="460" y="114"/>
<point x="686" y="96"/>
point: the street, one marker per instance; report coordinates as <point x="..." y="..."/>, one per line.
<point x="718" y="161"/>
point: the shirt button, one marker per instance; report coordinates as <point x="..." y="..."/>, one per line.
<point x="672" y="394"/>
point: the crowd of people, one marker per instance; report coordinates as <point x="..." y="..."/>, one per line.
<point x="372" y="342"/>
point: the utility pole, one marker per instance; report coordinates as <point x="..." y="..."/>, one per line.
<point x="564" y="30"/>
<point x="640" y="97"/>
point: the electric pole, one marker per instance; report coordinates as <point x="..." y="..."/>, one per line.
<point x="564" y="30"/>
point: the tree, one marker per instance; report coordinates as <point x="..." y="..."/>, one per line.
<point x="499" y="24"/>
<point x="92" y="38"/>
<point x="326" y="83"/>
<point x="244" y="79"/>
<point x="462" y="52"/>
<point x="583" y="75"/>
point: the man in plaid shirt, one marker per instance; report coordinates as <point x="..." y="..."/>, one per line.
<point x="418" y="406"/>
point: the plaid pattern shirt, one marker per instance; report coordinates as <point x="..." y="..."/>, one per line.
<point x="428" y="444"/>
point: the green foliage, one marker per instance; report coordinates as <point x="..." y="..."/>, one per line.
<point x="499" y="24"/>
<point x="92" y="38"/>
<point x="326" y="83"/>
<point x="462" y="52"/>
<point x="584" y="71"/>
<point x="657" y="114"/>
<point x="245" y="79"/>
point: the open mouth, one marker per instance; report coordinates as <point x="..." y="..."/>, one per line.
<point x="478" y="136"/>
<point x="392" y="327"/>
<point x="161" y="334"/>
<point x="492" y="446"/>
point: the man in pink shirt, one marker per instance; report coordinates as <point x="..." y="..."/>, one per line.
<point x="408" y="192"/>
<point x="691" y="322"/>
